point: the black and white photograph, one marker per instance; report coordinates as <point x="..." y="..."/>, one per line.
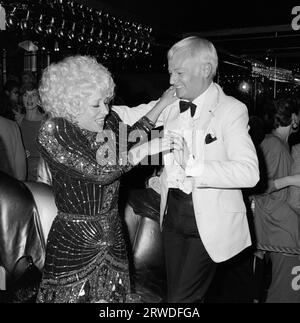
<point x="150" y="156"/>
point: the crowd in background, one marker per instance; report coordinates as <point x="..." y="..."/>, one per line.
<point x="20" y="104"/>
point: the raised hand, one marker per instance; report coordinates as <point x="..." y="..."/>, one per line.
<point x="168" y="97"/>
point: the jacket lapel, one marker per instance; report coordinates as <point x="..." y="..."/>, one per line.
<point x="209" y="106"/>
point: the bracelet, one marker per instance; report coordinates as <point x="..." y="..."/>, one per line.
<point x="147" y="123"/>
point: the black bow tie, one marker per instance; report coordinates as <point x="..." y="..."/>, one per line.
<point x="184" y="105"/>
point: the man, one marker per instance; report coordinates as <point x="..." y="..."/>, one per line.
<point x="203" y="216"/>
<point x="12" y="154"/>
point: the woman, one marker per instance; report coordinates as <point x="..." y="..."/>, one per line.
<point x="86" y="257"/>
<point x="276" y="223"/>
<point x="30" y="124"/>
<point x="28" y="82"/>
<point x="10" y="107"/>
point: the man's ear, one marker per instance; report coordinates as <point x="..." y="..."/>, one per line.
<point x="206" y="69"/>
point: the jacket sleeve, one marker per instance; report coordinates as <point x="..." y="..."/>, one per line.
<point x="131" y="115"/>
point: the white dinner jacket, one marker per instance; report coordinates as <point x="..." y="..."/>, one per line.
<point x="219" y="170"/>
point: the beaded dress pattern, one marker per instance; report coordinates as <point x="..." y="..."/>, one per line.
<point x="86" y="257"/>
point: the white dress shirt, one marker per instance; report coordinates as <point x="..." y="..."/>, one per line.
<point x="186" y="126"/>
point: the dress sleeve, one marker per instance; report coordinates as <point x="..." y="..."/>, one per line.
<point x="139" y="131"/>
<point x="120" y="138"/>
<point x="64" y="146"/>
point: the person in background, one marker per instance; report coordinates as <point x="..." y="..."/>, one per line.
<point x="10" y="107"/>
<point x="276" y="222"/>
<point x="12" y="154"/>
<point x="30" y="125"/>
<point x="28" y="82"/>
<point x="86" y="257"/>
<point x="294" y="137"/>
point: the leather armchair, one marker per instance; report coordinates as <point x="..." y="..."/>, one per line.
<point x="145" y="239"/>
<point x="142" y="221"/>
<point x="26" y="213"/>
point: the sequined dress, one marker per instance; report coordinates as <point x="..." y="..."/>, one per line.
<point x="86" y="257"/>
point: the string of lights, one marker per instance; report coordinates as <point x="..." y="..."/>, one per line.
<point x="62" y="24"/>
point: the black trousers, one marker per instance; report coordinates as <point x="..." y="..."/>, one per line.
<point x="190" y="270"/>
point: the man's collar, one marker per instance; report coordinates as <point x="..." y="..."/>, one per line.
<point x="199" y="99"/>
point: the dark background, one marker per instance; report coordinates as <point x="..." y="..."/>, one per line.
<point x="242" y="31"/>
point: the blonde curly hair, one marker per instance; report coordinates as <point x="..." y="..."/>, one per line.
<point x="65" y="85"/>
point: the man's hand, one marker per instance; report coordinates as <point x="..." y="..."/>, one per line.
<point x="181" y="152"/>
<point x="181" y="156"/>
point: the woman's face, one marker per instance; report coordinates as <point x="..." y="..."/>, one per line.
<point x="31" y="99"/>
<point x="94" y="112"/>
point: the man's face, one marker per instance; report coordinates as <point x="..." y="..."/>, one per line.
<point x="188" y="75"/>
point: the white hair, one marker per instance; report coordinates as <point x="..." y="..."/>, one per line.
<point x="197" y="47"/>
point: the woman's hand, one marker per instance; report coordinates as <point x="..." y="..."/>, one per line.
<point x="167" y="98"/>
<point x="168" y="143"/>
